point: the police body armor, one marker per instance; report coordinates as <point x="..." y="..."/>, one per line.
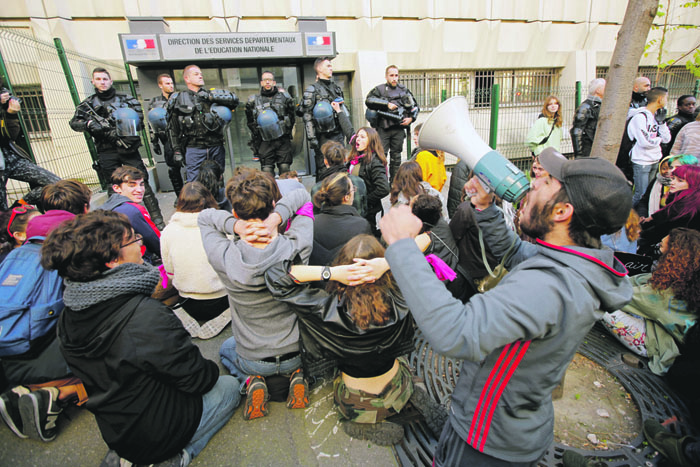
<point x="107" y="138"/>
<point x="379" y="98"/>
<point x="191" y="120"/>
<point x="321" y="91"/>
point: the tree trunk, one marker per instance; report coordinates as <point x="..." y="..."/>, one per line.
<point x="623" y="69"/>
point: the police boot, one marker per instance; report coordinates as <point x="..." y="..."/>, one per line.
<point x="175" y="179"/>
<point x="284" y="168"/>
<point x="151" y="203"/>
<point x="269" y="169"/>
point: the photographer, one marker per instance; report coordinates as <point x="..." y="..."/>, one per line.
<point x="95" y="115"/>
<point x="14" y="161"/>
<point x="396" y="109"/>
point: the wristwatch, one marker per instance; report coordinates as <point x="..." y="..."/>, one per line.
<point x="326" y="274"/>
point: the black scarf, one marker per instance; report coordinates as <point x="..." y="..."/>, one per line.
<point x="107" y="95"/>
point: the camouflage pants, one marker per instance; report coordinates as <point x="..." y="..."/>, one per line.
<point x="361" y="407"/>
<point x="19" y="168"/>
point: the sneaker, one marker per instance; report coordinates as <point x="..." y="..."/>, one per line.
<point x="181" y="459"/>
<point x="298" y="391"/>
<point x="213" y="327"/>
<point x="256" y="398"/>
<point x="670" y="445"/>
<point x="381" y="434"/>
<point x="39" y="411"/>
<point x="435" y="415"/>
<point x="9" y="409"/>
<point x="112" y="459"/>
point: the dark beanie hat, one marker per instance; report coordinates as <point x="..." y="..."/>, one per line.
<point x="598" y="191"/>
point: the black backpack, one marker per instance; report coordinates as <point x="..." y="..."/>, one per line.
<point x="624" y="161"/>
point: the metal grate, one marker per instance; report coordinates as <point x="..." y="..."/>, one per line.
<point x="653" y="397"/>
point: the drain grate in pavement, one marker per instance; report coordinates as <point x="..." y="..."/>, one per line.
<point x="651" y="394"/>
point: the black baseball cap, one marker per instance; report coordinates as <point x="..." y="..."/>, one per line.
<point x="597" y="189"/>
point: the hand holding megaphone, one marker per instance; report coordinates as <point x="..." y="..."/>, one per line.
<point x="449" y="129"/>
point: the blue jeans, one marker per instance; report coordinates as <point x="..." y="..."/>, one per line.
<point x="218" y="406"/>
<point x="642" y="175"/>
<point x="241" y="368"/>
<point x="195" y="156"/>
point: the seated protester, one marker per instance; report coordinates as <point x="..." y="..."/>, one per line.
<point x="129" y="186"/>
<point x="334" y="160"/>
<point x="625" y="239"/>
<point x="40" y="379"/>
<point x="442" y="254"/>
<point x="681" y="210"/>
<point x="265" y="338"/>
<point x="212" y="177"/>
<point x="665" y="303"/>
<point x="13" y="227"/>
<point x="184" y="259"/>
<point x="458" y="177"/>
<point x="409" y="183"/>
<point x="290" y="175"/>
<point x="432" y="164"/>
<point x="152" y="393"/>
<point x="365" y="327"/>
<point x="657" y="192"/>
<point x="336" y="220"/>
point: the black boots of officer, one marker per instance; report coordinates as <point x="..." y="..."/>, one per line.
<point x="151" y="203"/>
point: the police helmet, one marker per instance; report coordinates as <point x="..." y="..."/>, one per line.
<point x="371" y="116"/>
<point x="127" y="121"/>
<point x="222" y="112"/>
<point x="323" y="114"/>
<point x="158" y="119"/>
<point x="269" y="124"/>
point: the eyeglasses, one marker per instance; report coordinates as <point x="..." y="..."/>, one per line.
<point x="15" y="211"/>
<point x="137" y="238"/>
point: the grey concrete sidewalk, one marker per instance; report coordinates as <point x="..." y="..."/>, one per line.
<point x="307" y="437"/>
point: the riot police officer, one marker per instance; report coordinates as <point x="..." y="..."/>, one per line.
<point x="159" y="133"/>
<point x="196" y="120"/>
<point x="396" y="109"/>
<point x="116" y="139"/>
<point x="270" y="116"/>
<point x="323" y="111"/>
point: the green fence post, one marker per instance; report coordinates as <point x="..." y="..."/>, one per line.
<point x="578" y="95"/>
<point x="76" y="101"/>
<point x="25" y="134"/>
<point x="696" y="91"/>
<point x="443" y="95"/>
<point x="495" y="103"/>
<point x="144" y="135"/>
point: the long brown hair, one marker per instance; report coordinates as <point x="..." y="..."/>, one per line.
<point x="374" y="147"/>
<point x="407" y="181"/>
<point x="333" y="190"/>
<point x="679" y="268"/>
<point x="556" y="117"/>
<point x="368" y="304"/>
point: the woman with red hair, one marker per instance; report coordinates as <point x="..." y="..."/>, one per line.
<point x="681" y="210"/>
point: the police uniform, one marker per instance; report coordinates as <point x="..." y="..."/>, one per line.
<point x="162" y="137"/>
<point x="94" y="116"/>
<point x="338" y="129"/>
<point x="270" y="117"/>
<point x="195" y="130"/>
<point x="388" y="122"/>
<point x="13" y="161"/>
<point x="585" y="123"/>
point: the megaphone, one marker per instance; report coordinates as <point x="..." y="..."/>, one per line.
<point x="449" y="129"/>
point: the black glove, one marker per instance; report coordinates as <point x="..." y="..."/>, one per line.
<point x="314" y="144"/>
<point x="178" y="160"/>
<point x="94" y="127"/>
<point x="660" y="115"/>
<point x="156" y="149"/>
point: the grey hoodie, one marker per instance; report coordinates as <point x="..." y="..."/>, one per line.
<point x="517" y="339"/>
<point x="262" y="326"/>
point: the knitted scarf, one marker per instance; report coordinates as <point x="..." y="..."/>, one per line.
<point x="125" y="278"/>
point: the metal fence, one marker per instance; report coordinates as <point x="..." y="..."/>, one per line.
<point x="36" y="76"/>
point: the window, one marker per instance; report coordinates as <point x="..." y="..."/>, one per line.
<point x="33" y="112"/>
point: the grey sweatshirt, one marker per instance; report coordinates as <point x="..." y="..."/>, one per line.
<point x="262" y="326"/>
<point x="516" y="339"/>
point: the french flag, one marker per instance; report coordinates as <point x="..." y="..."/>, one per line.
<point x="318" y="40"/>
<point x="140" y="44"/>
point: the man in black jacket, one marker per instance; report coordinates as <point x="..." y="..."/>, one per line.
<point x="152" y="393"/>
<point x="396" y="110"/>
<point x="685" y="106"/>
<point x="586" y="119"/>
